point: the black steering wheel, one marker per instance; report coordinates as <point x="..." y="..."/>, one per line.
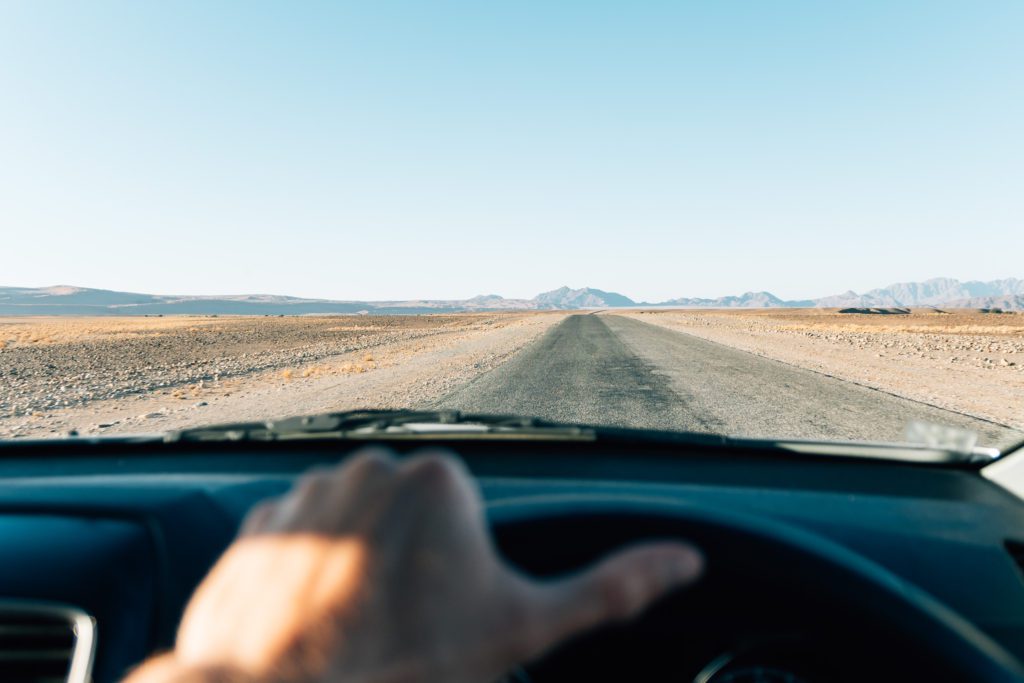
<point x="823" y="570"/>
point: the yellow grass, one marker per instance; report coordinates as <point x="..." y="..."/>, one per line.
<point x="50" y="330"/>
<point x="41" y="330"/>
<point x="919" y="321"/>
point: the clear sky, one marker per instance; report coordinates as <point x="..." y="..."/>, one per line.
<point x="445" y="149"/>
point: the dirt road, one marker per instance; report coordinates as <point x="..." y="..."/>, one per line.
<point x="611" y="369"/>
<point x="805" y="374"/>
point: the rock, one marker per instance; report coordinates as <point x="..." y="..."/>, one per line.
<point x="200" y="404"/>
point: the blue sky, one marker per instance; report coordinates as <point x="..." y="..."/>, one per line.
<point x="445" y="149"/>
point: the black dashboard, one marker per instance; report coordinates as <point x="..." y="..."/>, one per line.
<point x="125" y="531"/>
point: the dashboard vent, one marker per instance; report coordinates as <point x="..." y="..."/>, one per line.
<point x="45" y="643"/>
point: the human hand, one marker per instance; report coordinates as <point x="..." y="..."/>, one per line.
<point x="384" y="571"/>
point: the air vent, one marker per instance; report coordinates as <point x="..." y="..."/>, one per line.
<point x="45" y="643"/>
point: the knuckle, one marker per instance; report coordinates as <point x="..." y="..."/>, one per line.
<point x="532" y="631"/>
<point x="371" y="464"/>
<point x="619" y="596"/>
<point x="308" y="484"/>
<point x="258" y="517"/>
<point x="435" y="471"/>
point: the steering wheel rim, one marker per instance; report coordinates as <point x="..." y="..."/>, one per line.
<point x="956" y="643"/>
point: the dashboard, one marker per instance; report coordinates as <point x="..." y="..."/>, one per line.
<point x="123" y="532"/>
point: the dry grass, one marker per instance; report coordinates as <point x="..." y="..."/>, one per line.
<point x="964" y="329"/>
<point x="341" y="368"/>
<point x="52" y="330"/>
<point x="48" y="330"/>
<point x="919" y="321"/>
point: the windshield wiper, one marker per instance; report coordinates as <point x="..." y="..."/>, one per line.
<point x="369" y="424"/>
<point x="364" y="425"/>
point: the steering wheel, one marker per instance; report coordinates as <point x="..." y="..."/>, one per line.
<point x="824" y="570"/>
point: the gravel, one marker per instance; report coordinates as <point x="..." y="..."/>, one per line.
<point x="143" y="376"/>
<point x="47" y="376"/>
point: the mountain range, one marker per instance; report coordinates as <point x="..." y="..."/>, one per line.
<point x="1007" y="294"/>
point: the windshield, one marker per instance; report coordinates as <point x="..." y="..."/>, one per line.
<point x="778" y="221"/>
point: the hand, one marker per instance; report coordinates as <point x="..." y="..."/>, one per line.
<point x="379" y="571"/>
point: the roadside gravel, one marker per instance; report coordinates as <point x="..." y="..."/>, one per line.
<point x="173" y="373"/>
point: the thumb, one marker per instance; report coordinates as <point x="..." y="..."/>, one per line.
<point x="617" y="588"/>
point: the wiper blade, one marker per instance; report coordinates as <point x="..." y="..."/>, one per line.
<point x="363" y="425"/>
<point x="368" y="424"/>
<point x="909" y="452"/>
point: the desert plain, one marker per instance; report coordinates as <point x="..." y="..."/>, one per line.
<point x="151" y="374"/>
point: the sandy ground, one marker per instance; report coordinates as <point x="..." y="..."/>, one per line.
<point x="964" y="361"/>
<point x="146" y="375"/>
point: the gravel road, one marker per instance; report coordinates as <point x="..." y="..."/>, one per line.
<point x="610" y="369"/>
<point x="640" y="369"/>
<point x="962" y="361"/>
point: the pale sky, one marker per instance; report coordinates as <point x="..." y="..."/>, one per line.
<point x="386" y="150"/>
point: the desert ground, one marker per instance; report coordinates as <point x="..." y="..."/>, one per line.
<point x="811" y="373"/>
<point x="147" y="375"/>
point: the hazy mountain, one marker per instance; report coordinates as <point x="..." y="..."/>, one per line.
<point x="1007" y="294"/>
<point x="748" y="300"/>
<point x="1010" y="302"/>
<point x="847" y="299"/>
<point x="66" y="300"/>
<point x="942" y="291"/>
<point x="65" y="295"/>
<point x="565" y="298"/>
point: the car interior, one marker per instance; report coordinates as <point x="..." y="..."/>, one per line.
<point x="820" y="567"/>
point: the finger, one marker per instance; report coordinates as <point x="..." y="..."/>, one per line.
<point x="440" y="475"/>
<point x="360" y="477"/>
<point x="293" y="511"/>
<point x="258" y="518"/>
<point x="360" y="490"/>
<point x="320" y="497"/>
<point x="367" y="461"/>
<point x="446" y="501"/>
<point x="439" y="515"/>
<point x="619" y="587"/>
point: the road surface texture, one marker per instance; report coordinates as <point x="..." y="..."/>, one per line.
<point x="614" y="370"/>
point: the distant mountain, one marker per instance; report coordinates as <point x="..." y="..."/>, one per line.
<point x="1007" y="294"/>
<point x="942" y="291"/>
<point x="78" y="296"/>
<point x="67" y="300"/>
<point x="565" y="298"/>
<point x="1012" y="302"/>
<point x="748" y="300"/>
